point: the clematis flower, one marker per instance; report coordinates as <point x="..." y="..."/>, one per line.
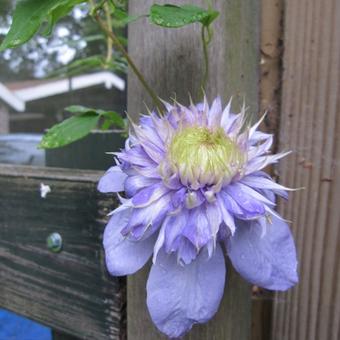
<point x="195" y="192"/>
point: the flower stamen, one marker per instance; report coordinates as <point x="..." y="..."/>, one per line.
<point x="204" y="156"/>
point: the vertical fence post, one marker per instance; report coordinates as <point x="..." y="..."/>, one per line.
<point x="310" y="126"/>
<point x="172" y="63"/>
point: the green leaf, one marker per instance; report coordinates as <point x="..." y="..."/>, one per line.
<point x="30" y="14"/>
<point x="210" y="18"/>
<point x="178" y="16"/>
<point x="59" y="12"/>
<point x="113" y="117"/>
<point x="121" y="18"/>
<point x="80" y="66"/>
<point x="106" y="125"/>
<point x="69" y="130"/>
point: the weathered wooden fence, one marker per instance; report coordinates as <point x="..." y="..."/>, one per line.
<point x="173" y="64"/>
<point x="310" y="126"/>
<point x="71" y="291"/>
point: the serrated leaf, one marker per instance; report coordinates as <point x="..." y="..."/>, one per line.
<point x="69" y="130"/>
<point x="178" y="16"/>
<point x="28" y="17"/>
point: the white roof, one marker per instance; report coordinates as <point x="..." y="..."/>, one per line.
<point x="11" y="99"/>
<point x="18" y="98"/>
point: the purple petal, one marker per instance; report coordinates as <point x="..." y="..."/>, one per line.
<point x="173" y="229"/>
<point x="228" y="219"/>
<point x="197" y="229"/>
<point x="246" y="190"/>
<point x="214" y="217"/>
<point x="112" y="181"/>
<point x="135" y="183"/>
<point x="186" y="252"/>
<point x="123" y="256"/>
<point x="178" y="198"/>
<point x="263" y="183"/>
<point x="163" y="128"/>
<point x="265" y="258"/>
<point x="137" y="156"/>
<point x="215" y="113"/>
<point x="148" y="220"/>
<point x="148" y="171"/>
<point x="180" y="296"/>
<point x="151" y="142"/>
<point x="261" y="162"/>
<point x="149" y="194"/>
<point x="194" y="199"/>
<point x="145" y="120"/>
<point x="253" y="128"/>
<point x="225" y="116"/>
<point x="159" y="243"/>
<point x="172" y="182"/>
<point x="249" y="206"/>
<point x="149" y="133"/>
<point x="261" y="149"/>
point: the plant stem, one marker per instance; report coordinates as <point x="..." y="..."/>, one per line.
<point x="206" y="58"/>
<point x="109" y="25"/>
<point x="118" y="44"/>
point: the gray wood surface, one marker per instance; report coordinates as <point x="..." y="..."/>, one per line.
<point x="69" y="291"/>
<point x="310" y="126"/>
<point x="172" y="63"/>
<point x="4" y="118"/>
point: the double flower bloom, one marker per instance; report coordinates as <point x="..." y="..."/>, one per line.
<point x="195" y="192"/>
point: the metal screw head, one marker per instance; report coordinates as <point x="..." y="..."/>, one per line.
<point x="54" y="242"/>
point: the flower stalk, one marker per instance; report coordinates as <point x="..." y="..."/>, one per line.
<point x="206" y="36"/>
<point x="116" y="42"/>
<point x="109" y="25"/>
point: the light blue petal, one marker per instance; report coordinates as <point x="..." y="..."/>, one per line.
<point x="135" y="183"/>
<point x="148" y="219"/>
<point x="180" y="296"/>
<point x="239" y="200"/>
<point x="122" y="255"/>
<point x="215" y="113"/>
<point x="265" y="257"/>
<point x="149" y="195"/>
<point x="197" y="229"/>
<point x="112" y="181"/>
<point x="173" y="229"/>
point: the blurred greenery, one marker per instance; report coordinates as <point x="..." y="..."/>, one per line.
<point x="76" y="45"/>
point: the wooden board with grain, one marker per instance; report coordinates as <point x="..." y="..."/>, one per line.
<point x="310" y="126"/>
<point x="69" y="291"/>
<point x="171" y="60"/>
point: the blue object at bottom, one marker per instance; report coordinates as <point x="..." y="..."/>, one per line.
<point x="14" y="327"/>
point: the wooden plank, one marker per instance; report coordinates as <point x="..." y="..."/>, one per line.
<point x="4" y="118"/>
<point x="270" y="100"/>
<point x="172" y="63"/>
<point x="69" y="291"/>
<point x="310" y="126"/>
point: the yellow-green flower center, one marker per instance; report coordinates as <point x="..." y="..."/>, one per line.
<point x="204" y="156"/>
